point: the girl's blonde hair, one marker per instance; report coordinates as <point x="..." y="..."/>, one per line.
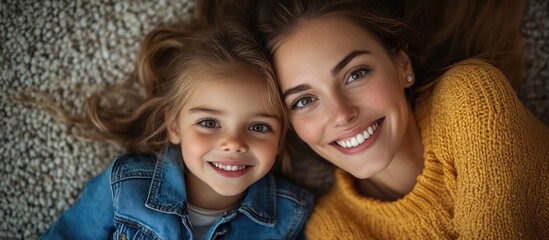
<point x="169" y="64"/>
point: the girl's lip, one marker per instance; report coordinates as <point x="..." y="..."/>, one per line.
<point x="364" y="145"/>
<point x="229" y="162"/>
<point x="230" y="169"/>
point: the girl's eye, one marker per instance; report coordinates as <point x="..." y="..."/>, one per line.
<point x="260" y="127"/>
<point x="302" y="102"/>
<point x="357" y="74"/>
<point x="209" y="123"/>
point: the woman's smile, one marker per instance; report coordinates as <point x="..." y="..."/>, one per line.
<point x="360" y="138"/>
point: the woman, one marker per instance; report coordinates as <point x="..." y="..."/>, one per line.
<point x="421" y="153"/>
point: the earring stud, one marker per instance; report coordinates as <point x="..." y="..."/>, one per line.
<point x="409" y="78"/>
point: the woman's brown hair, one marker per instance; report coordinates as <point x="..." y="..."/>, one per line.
<point x="435" y="34"/>
<point x="447" y="32"/>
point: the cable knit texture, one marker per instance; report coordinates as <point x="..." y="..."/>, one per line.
<point x="485" y="171"/>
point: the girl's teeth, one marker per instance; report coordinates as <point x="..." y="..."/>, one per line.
<point x="230" y="168"/>
<point x="359" y="138"/>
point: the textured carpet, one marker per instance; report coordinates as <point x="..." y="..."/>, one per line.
<point x="59" y="46"/>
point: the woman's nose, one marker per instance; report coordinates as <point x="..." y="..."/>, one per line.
<point x="343" y="110"/>
<point x="233" y="143"/>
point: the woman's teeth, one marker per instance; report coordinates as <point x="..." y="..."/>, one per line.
<point x="359" y="138"/>
<point x="230" y="168"/>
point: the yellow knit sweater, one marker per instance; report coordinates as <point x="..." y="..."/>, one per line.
<point x="485" y="176"/>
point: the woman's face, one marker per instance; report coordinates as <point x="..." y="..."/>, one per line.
<point x="345" y="93"/>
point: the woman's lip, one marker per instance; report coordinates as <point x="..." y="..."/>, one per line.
<point x="357" y="130"/>
<point x="363" y="146"/>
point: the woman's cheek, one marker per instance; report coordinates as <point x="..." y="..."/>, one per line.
<point x="308" y="128"/>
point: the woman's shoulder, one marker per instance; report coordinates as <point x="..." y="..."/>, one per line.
<point x="472" y="107"/>
<point x="474" y="78"/>
<point x="475" y="89"/>
<point x="472" y="104"/>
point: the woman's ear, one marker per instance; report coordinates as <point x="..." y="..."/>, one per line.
<point x="172" y="127"/>
<point x="406" y="71"/>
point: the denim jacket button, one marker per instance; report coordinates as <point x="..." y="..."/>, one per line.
<point x="121" y="237"/>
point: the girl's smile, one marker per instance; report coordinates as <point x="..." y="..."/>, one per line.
<point x="229" y="170"/>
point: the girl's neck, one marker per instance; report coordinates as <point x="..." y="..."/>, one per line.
<point x="203" y="196"/>
<point x="399" y="178"/>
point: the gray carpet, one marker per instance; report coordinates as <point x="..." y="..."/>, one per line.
<point x="59" y="46"/>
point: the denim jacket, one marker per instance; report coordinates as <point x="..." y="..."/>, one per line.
<point x="144" y="197"/>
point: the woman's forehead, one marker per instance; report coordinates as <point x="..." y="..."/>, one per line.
<point x="326" y="34"/>
<point x="320" y="44"/>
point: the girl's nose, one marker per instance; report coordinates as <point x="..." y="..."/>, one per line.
<point x="233" y="143"/>
<point x="343" y="110"/>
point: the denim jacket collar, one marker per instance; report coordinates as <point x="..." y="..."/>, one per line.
<point x="167" y="192"/>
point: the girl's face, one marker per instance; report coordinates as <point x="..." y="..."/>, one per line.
<point x="228" y="137"/>
<point x="345" y="93"/>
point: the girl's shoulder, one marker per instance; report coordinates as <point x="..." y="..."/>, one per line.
<point x="288" y="190"/>
<point x="276" y="200"/>
<point x="132" y="165"/>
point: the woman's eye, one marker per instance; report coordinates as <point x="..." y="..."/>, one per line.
<point x="209" y="123"/>
<point x="259" y="127"/>
<point x="357" y="74"/>
<point x="302" y="102"/>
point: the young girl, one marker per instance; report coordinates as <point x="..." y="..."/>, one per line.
<point x="202" y="142"/>
<point x="421" y="155"/>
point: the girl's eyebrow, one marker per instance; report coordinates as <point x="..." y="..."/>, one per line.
<point x="348" y="59"/>
<point x="205" y="110"/>
<point x="219" y="112"/>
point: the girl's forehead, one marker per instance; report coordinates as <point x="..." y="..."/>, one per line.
<point x="221" y="81"/>
<point x="234" y="76"/>
<point x="230" y="92"/>
<point x="226" y="72"/>
<point x="240" y="79"/>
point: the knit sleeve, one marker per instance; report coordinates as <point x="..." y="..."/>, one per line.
<point x="497" y="152"/>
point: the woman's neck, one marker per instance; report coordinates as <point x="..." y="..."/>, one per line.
<point x="203" y="196"/>
<point x="400" y="176"/>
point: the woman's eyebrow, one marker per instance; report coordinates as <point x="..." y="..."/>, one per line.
<point x="348" y="59"/>
<point x="335" y="71"/>
<point x="295" y="89"/>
